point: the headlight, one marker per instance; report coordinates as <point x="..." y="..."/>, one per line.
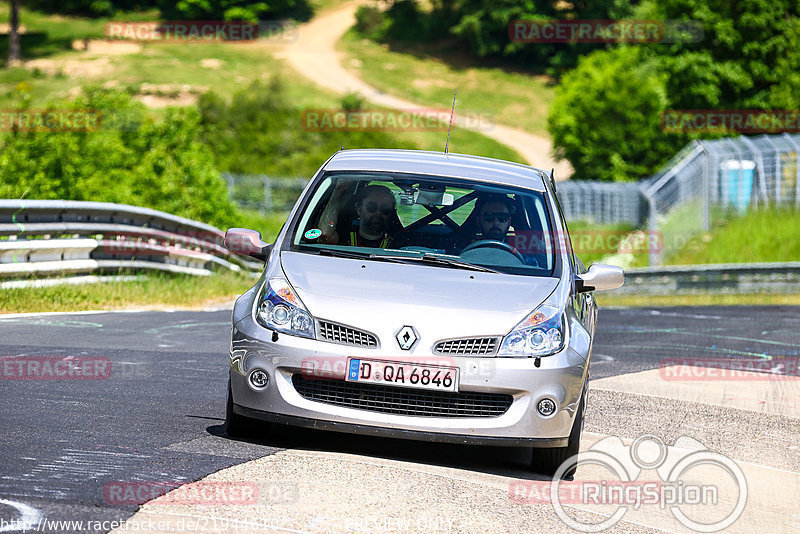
<point x="541" y="333"/>
<point x="281" y="310"/>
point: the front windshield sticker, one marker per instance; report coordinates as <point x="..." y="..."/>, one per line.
<point x="313" y="233"/>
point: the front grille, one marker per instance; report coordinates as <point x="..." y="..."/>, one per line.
<point x="336" y="333"/>
<point x="401" y="401"/>
<point x="477" y="345"/>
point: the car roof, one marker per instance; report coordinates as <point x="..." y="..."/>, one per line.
<point x="439" y="164"/>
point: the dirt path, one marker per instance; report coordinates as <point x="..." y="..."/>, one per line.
<point x="314" y="55"/>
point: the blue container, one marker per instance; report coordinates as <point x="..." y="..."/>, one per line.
<point x="737" y="182"/>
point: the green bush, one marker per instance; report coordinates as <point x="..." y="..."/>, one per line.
<point x="352" y="102"/>
<point x="606" y="114"/>
<point x="131" y="159"/>
<point x="260" y="132"/>
<point x="605" y="117"/>
<point x="234" y="9"/>
<point x="370" y="21"/>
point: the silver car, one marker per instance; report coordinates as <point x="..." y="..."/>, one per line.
<point x="419" y="295"/>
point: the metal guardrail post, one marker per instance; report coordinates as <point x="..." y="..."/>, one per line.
<point x="791" y="140"/>
<point x="652" y="223"/>
<point x="707" y="171"/>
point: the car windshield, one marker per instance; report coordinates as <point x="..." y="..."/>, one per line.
<point x="431" y="220"/>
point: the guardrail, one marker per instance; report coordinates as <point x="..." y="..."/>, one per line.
<point x="718" y="278"/>
<point x="57" y="237"/>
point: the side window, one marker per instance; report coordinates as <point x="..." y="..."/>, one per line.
<point x="567" y="239"/>
<point x="310" y="217"/>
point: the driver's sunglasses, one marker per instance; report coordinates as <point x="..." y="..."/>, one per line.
<point x="489" y="216"/>
<point x="372" y="207"/>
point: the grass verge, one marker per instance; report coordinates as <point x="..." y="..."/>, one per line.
<point x="173" y="74"/>
<point x="156" y="290"/>
<point x="764" y="235"/>
<point x="605" y="300"/>
<point x="428" y="76"/>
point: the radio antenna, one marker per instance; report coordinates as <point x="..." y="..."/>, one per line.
<point x="450" y="126"/>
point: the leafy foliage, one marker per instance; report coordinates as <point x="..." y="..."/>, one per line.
<point x="182" y="9"/>
<point x="131" y="159"/>
<point x="260" y="132"/>
<point x="234" y="9"/>
<point x="89" y="8"/>
<point x="482" y="26"/>
<point x="605" y="118"/>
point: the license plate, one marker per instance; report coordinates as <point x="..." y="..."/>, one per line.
<point x="402" y="374"/>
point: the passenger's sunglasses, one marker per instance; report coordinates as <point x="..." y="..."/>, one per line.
<point x="372" y="207"/>
<point x="489" y="216"/>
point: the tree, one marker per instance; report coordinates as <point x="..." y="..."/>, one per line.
<point x="14" y="53"/>
<point x="605" y="118"/>
<point x="130" y="159"/>
<point x="249" y="10"/>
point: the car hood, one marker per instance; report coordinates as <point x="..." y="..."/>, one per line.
<point x="441" y="303"/>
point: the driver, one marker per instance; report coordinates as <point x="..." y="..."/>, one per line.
<point x="375" y="206"/>
<point x="494" y="217"/>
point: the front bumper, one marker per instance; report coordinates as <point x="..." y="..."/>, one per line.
<point x="560" y="377"/>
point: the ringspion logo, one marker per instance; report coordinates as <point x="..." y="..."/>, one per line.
<point x="703" y="490"/>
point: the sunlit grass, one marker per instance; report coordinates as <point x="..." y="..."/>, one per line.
<point x="509" y="98"/>
<point x="150" y="290"/>
<point x="608" y="299"/>
<point x="762" y="235"/>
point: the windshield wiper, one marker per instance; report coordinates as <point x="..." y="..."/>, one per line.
<point x="435" y="260"/>
<point x="341" y="253"/>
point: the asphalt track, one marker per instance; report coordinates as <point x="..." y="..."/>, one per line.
<point x="158" y="417"/>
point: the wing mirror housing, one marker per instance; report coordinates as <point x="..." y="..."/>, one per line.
<point x="247" y="242"/>
<point x="600" y="277"/>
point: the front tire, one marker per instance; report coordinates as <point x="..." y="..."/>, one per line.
<point x="547" y="461"/>
<point x="235" y="425"/>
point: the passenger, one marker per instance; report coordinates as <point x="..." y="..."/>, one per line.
<point x="376" y="210"/>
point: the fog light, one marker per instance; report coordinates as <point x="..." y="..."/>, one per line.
<point x="546" y="407"/>
<point x="259" y="378"/>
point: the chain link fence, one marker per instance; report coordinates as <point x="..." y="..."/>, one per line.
<point x="263" y="193"/>
<point x="716" y="177"/>
<point x="602" y="202"/>
<point x="705" y="179"/>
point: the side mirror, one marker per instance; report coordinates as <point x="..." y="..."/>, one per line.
<point x="247" y="242"/>
<point x="600" y="278"/>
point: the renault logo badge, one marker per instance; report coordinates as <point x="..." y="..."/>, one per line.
<point x="406" y="337"/>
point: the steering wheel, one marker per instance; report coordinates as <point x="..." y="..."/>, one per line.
<point x="491" y="243"/>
